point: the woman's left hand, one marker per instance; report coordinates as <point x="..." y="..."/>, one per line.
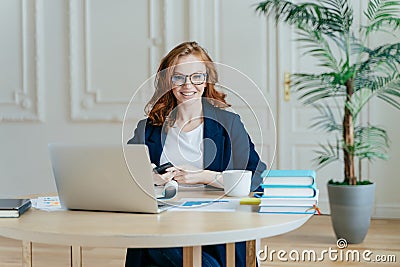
<point x="195" y="177"/>
<point x="189" y="177"/>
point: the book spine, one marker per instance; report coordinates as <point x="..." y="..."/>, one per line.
<point x="294" y="180"/>
<point x="288" y="202"/>
<point x="285" y="186"/>
<point x="287" y="212"/>
<point x="288" y="173"/>
<point x="9" y="214"/>
<point x="298" y="210"/>
<point x="267" y="195"/>
<point x="25" y="208"/>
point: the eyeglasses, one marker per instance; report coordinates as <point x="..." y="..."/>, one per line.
<point x="195" y="79"/>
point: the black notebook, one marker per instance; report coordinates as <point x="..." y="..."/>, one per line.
<point x="13" y="208"/>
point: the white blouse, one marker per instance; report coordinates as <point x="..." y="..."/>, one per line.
<point x="184" y="149"/>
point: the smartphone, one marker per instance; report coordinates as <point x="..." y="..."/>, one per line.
<point x="163" y="168"/>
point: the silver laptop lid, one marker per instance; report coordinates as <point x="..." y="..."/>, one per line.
<point x="100" y="177"/>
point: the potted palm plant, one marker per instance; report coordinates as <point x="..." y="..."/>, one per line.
<point x="353" y="74"/>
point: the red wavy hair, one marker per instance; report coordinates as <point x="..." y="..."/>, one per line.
<point x="163" y="101"/>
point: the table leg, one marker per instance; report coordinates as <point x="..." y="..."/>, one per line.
<point x="26" y="253"/>
<point x="251" y="253"/>
<point x="76" y="256"/>
<point x="192" y="256"/>
<point x="230" y="254"/>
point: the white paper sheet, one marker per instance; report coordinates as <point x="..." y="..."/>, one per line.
<point x="207" y="204"/>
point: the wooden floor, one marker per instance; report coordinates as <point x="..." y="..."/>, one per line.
<point x="383" y="239"/>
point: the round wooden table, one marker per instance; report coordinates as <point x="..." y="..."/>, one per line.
<point x="188" y="229"/>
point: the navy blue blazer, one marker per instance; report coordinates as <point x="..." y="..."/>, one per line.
<point x="227" y="145"/>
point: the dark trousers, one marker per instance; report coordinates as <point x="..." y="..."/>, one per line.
<point x="212" y="256"/>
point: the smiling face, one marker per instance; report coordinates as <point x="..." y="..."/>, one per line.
<point x="170" y="93"/>
<point x="186" y="66"/>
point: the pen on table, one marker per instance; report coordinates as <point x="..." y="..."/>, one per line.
<point x="250" y="201"/>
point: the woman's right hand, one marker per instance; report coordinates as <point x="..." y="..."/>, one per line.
<point x="162" y="179"/>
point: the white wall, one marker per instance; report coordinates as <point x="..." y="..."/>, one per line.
<point x="62" y="110"/>
<point x="72" y="67"/>
<point x="386" y="174"/>
<point x="69" y="68"/>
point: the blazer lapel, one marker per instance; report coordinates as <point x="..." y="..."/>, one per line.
<point x="213" y="139"/>
<point x="153" y="142"/>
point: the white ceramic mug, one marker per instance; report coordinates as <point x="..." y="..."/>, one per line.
<point x="237" y="182"/>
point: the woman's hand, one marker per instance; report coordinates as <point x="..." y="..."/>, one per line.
<point x="199" y="177"/>
<point x="162" y="179"/>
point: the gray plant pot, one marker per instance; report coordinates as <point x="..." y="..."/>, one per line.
<point x="351" y="208"/>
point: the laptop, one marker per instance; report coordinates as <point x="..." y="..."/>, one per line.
<point x="105" y="178"/>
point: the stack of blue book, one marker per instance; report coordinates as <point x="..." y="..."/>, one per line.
<point x="289" y="191"/>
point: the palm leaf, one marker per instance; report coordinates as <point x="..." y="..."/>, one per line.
<point x="385" y="96"/>
<point x="358" y="100"/>
<point x="327" y="154"/>
<point x="388" y="89"/>
<point x="317" y="46"/>
<point x="385" y="88"/>
<point x="382" y="13"/>
<point x="326" y="121"/>
<point x="307" y="15"/>
<point x="388" y="54"/>
<point x="315" y="87"/>
<point x="370" y="142"/>
<point x="342" y="10"/>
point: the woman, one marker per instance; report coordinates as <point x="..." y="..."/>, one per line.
<point x="188" y="126"/>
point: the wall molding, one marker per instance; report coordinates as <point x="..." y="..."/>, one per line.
<point x="86" y="103"/>
<point x="386" y="211"/>
<point x="26" y="103"/>
<point x="323" y="205"/>
<point x="380" y="211"/>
